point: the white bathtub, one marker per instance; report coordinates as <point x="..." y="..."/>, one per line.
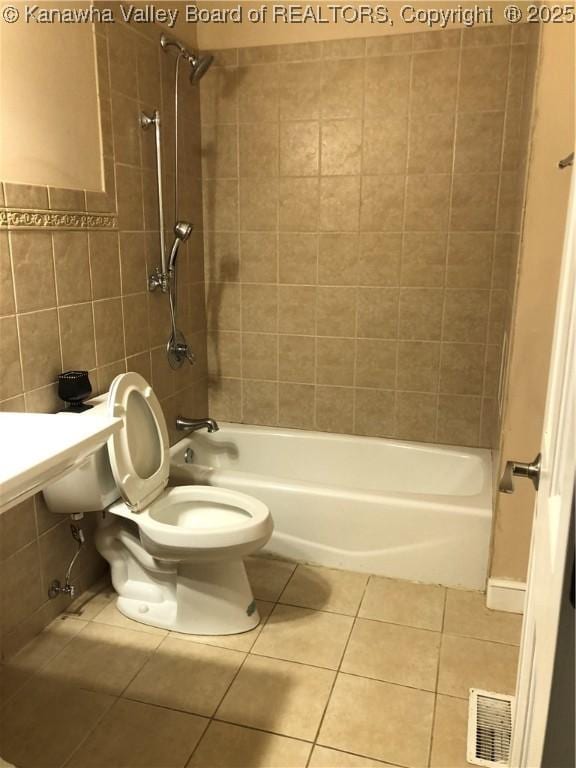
<point x="405" y="510"/>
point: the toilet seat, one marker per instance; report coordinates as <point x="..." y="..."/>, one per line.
<point x="139" y="452"/>
<point x="200" y="518"/>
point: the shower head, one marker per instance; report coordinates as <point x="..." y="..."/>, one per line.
<point x="182" y="232"/>
<point x="200" y="65"/>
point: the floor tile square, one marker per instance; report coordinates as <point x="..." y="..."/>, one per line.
<point x="322" y="757"/>
<point x="230" y="746"/>
<point x="466" y="663"/>
<point x="278" y="696"/>
<point x="241" y="642"/>
<point x="46" y="721"/>
<point x="190" y="677"/>
<point x="102" y="658"/>
<point x="89" y="604"/>
<point x="112" y="616"/>
<point x="404" y="602"/>
<point x="268" y="577"/>
<point x="393" y="653"/>
<point x="450" y="733"/>
<point x="140" y="736"/>
<point x="310" y="637"/>
<point x="379" y="720"/>
<point x="325" y="589"/>
<point x="467" y="614"/>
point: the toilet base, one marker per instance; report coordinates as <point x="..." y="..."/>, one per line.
<point x="205" y="599"/>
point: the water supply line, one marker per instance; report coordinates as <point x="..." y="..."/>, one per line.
<point x="56" y="587"/>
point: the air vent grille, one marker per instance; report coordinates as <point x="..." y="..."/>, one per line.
<point x="489" y="728"/>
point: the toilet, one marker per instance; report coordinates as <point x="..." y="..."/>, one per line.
<point x="175" y="554"/>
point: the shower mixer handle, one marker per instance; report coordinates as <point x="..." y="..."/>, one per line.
<point x="158" y="279"/>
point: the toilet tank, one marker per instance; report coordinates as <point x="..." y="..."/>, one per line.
<point x="89" y="487"/>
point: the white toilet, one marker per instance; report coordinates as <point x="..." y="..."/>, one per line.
<point x="175" y="554"/>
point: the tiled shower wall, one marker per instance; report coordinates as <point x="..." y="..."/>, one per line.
<point x="78" y="299"/>
<point x="362" y="203"/>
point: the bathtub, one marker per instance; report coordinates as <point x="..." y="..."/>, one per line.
<point x="405" y="510"/>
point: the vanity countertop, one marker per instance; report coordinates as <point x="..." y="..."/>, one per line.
<point x="36" y="448"/>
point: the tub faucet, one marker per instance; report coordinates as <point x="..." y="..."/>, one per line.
<point x="193" y="425"/>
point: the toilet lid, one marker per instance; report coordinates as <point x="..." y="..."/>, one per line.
<point x="139" y="452"/>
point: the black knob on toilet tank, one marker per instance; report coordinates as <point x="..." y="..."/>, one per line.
<point x="73" y="388"/>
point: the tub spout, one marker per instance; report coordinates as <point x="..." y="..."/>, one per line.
<point x="193" y="425"/>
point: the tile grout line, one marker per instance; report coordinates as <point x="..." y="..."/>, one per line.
<point x="434" y="708"/>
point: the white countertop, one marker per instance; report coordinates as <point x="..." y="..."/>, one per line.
<point x="36" y="448"/>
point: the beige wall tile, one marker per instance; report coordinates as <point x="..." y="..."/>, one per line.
<point x="382" y="207"/>
<point x="427" y="202"/>
<point x="384" y="145"/>
<point x="298" y="205"/>
<point x="258" y="257"/>
<point x="126" y="129"/>
<point x="379" y="258"/>
<point x="104" y="264"/>
<point x="222" y="307"/>
<point x="108" y="328"/>
<point x="335" y="311"/>
<point x="17" y="528"/>
<point x="374" y="413"/>
<point x="220" y="154"/>
<point x="339" y="203"/>
<point x="387" y="86"/>
<point x="377" y="313"/>
<point x="297" y="309"/>
<point x="260" y="402"/>
<point x="297" y="255"/>
<point x="458" y="420"/>
<point x="33" y="270"/>
<point x="258" y="150"/>
<point x="135" y="314"/>
<point x="423" y="259"/>
<point x="259" y="307"/>
<point x="219" y="96"/>
<point x="260" y="356"/>
<point x="77" y="337"/>
<point x="483" y="78"/>
<point x="129" y="194"/>
<point x="226" y="399"/>
<point x="478" y="142"/>
<point x="469" y="259"/>
<point x="341" y="147"/>
<point x="466" y="316"/>
<point x="296" y="405"/>
<point x="434" y="80"/>
<point x="224" y="354"/>
<point x="300" y="86"/>
<point x="72" y="268"/>
<point x="39" y="338"/>
<point x="335" y="409"/>
<point x="258" y="97"/>
<point x="10" y="370"/>
<point x="341" y="94"/>
<point x="133" y="262"/>
<point x="418" y="366"/>
<point x="221" y="204"/>
<point x="416" y="415"/>
<point x="299" y="148"/>
<point x="297" y="358"/>
<point x="462" y="368"/>
<point x="375" y="363"/>
<point x="420" y="313"/>
<point x="7" y="304"/>
<point x="335" y="361"/>
<point x="431" y="144"/>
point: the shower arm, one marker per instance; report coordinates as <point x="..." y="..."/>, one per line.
<point x="159" y="278"/>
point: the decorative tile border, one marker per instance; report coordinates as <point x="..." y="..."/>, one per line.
<point x="20" y="218"/>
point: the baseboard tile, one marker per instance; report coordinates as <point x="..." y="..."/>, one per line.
<point x="506" y="595"/>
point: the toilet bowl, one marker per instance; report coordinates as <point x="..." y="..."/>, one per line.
<point x="175" y="554"/>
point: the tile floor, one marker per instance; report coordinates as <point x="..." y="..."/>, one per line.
<point x="344" y="670"/>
